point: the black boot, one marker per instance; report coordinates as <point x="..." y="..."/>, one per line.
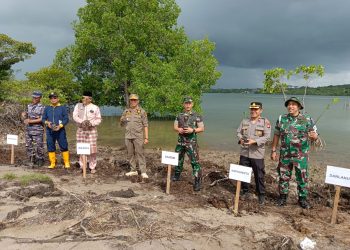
<point x="303" y="203"/>
<point x="40" y="162"/>
<point x="197" y="184"/>
<point x="282" y="200"/>
<point x="176" y="176"/>
<point x="261" y="199"/>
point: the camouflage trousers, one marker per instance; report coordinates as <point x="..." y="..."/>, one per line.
<point x="35" y="145"/>
<point x="191" y="149"/>
<point x="285" y="168"/>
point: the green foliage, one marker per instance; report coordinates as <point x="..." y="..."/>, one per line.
<point x="9" y="176"/>
<point x="16" y="91"/>
<point x="327" y="107"/>
<point x="55" y="79"/>
<point x="275" y="79"/>
<point x="331" y="90"/>
<point x="166" y="83"/>
<point x="11" y="52"/>
<point x="240" y="91"/>
<point x="125" y="46"/>
<point x="309" y="71"/>
<point x="25" y="180"/>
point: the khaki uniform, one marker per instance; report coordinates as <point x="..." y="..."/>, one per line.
<point x="134" y="121"/>
<point x="260" y="132"/>
<point x="253" y="155"/>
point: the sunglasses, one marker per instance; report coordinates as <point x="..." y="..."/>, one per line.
<point x="53" y="97"/>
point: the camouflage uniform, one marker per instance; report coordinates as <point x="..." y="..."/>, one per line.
<point x="35" y="133"/>
<point x="295" y="146"/>
<point x="187" y="143"/>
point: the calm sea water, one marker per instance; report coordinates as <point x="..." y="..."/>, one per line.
<point x="222" y="114"/>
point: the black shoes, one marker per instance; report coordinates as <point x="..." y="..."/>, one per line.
<point x="303" y="203"/>
<point x="282" y="200"/>
<point x="40" y="162"/>
<point x="261" y="199"/>
<point x="176" y="176"/>
<point x="197" y="184"/>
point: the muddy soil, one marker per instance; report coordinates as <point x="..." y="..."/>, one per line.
<point x="109" y="211"/>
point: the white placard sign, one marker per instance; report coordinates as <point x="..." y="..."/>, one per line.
<point x="83" y="148"/>
<point x="12" y="139"/>
<point x="240" y="173"/>
<point x="338" y="176"/>
<point x="170" y="158"/>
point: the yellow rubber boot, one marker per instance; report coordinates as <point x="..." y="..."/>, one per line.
<point x="65" y="156"/>
<point x="52" y="158"/>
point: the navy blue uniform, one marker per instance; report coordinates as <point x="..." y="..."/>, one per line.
<point x="57" y="116"/>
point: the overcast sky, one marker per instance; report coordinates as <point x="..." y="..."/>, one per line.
<point x="250" y="35"/>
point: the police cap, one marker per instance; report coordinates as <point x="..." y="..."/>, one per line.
<point x="255" y="105"/>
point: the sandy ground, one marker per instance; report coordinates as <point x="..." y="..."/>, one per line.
<point x="109" y="211"/>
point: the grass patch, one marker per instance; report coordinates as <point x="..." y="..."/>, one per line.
<point x="25" y="180"/>
<point x="9" y="176"/>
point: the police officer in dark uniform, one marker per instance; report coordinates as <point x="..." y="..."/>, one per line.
<point x="253" y="133"/>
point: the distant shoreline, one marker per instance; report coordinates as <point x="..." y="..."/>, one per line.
<point x="331" y="90"/>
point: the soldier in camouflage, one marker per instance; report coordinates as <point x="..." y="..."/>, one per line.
<point x="188" y="124"/>
<point x="295" y="131"/>
<point x="34" y="132"/>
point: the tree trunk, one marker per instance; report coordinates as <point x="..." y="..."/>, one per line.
<point x="126" y="94"/>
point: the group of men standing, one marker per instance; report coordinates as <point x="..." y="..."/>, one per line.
<point x="54" y="118"/>
<point x="295" y="130"/>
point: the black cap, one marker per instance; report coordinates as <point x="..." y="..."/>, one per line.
<point x="294" y="99"/>
<point x="255" y="105"/>
<point x="53" y="94"/>
<point x="87" y="93"/>
<point x="37" y="94"/>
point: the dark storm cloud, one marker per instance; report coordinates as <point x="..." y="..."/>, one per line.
<point x="252" y="34"/>
<point x="44" y="23"/>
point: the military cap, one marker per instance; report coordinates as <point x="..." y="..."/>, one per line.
<point x="37" y="94"/>
<point x="53" y="94"/>
<point x="188" y="99"/>
<point x="294" y="99"/>
<point x="255" y="105"/>
<point x="87" y="93"/>
<point x="133" y="97"/>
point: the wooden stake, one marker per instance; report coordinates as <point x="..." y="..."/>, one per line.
<point x="12" y="154"/>
<point x="238" y="190"/>
<point x="168" y="180"/>
<point x="335" y="205"/>
<point x="84" y="166"/>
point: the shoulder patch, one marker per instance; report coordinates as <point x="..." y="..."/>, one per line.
<point x="268" y="124"/>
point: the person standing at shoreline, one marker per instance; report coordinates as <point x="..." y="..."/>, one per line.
<point x="253" y="133"/>
<point x="135" y="121"/>
<point x="34" y="132"/>
<point x="55" y="118"/>
<point x="188" y="124"/>
<point x="87" y="116"/>
<point x="295" y="130"/>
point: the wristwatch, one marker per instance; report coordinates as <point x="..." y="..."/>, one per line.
<point x="273" y="150"/>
